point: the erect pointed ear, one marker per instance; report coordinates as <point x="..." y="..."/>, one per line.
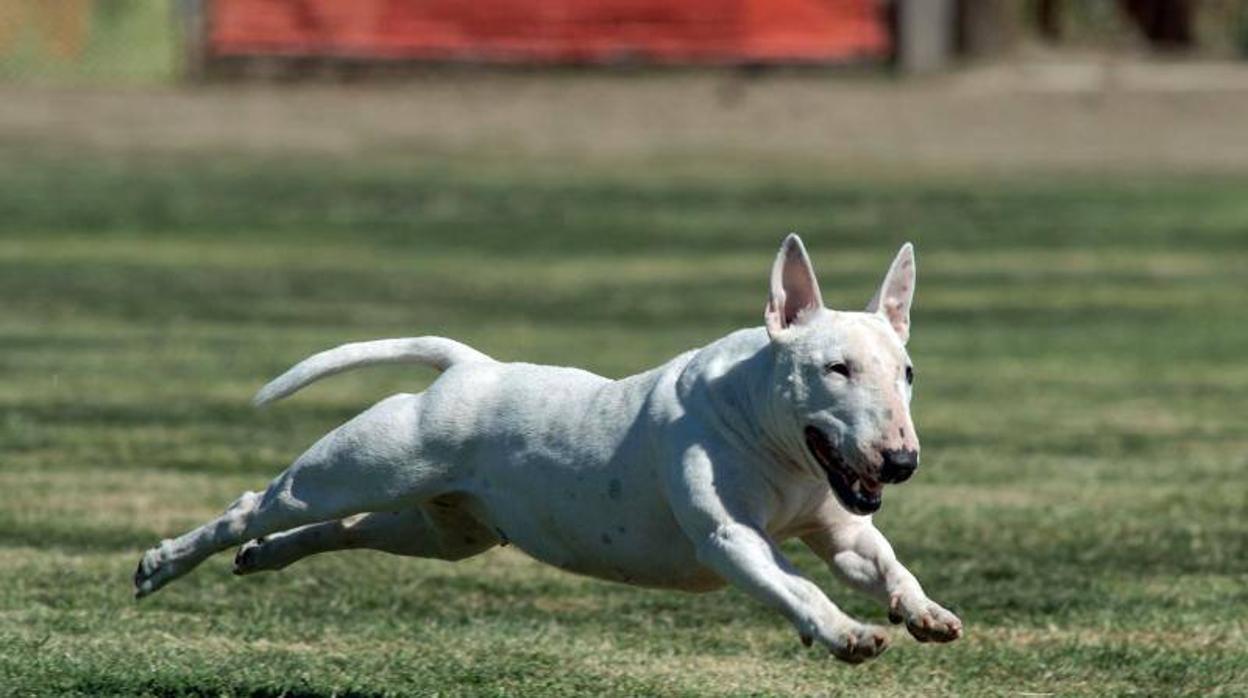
<point x="896" y="294"/>
<point x="794" y="288"/>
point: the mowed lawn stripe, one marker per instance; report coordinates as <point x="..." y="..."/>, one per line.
<point x="1080" y="396"/>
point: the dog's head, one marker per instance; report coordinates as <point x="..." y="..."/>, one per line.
<point x="844" y="378"/>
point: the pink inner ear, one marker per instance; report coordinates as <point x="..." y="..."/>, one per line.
<point x="894" y="297"/>
<point x="800" y="289"/>
<point x="794" y="288"/>
<point x="897" y="310"/>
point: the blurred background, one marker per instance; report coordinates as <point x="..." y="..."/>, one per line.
<point x="194" y="195"/>
<point x="135" y="41"/>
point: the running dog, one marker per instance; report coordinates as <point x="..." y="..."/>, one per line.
<point x="687" y="476"/>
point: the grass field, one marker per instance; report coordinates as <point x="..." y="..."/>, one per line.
<point x="1079" y="343"/>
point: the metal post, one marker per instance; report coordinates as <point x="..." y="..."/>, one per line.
<point x="924" y="34"/>
<point x="191" y="16"/>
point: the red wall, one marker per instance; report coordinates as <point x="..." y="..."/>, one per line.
<point x="672" y="31"/>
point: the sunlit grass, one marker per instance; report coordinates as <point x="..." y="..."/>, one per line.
<point x="1081" y="393"/>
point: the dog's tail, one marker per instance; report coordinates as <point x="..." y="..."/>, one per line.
<point x="438" y="352"/>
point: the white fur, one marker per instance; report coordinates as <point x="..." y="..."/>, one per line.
<point x="686" y="476"/>
<point x="438" y="352"/>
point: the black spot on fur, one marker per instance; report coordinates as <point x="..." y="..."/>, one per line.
<point x="615" y="490"/>
<point x="606" y="539"/>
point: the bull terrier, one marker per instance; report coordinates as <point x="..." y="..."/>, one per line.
<point x="686" y="476"/>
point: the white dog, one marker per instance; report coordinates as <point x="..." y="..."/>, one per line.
<point x="683" y="477"/>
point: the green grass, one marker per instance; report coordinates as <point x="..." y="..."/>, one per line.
<point x="1081" y="399"/>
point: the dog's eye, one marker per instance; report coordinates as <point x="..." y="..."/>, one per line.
<point x="910" y="375"/>
<point x="836" y="367"/>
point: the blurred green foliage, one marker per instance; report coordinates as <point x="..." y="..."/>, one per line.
<point x="88" y="41"/>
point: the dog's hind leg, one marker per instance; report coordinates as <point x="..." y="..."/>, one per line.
<point x="375" y="462"/>
<point x="440" y="530"/>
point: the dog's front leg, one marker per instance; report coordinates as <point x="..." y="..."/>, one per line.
<point x="860" y="554"/>
<point x="743" y="555"/>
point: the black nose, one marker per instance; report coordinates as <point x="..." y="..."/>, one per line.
<point x="898" y="465"/>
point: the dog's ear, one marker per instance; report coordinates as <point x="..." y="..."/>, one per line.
<point x="896" y="294"/>
<point x="794" y="288"/>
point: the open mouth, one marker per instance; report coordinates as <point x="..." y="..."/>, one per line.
<point x="858" y="494"/>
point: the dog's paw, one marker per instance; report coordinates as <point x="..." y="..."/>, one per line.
<point x="926" y="620"/>
<point x="247" y="560"/>
<point x="155" y="570"/>
<point x="853" y="643"/>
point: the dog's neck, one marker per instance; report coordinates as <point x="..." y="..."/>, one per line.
<point x="738" y="374"/>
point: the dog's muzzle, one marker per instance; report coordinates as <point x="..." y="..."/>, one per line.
<point x="859" y="494"/>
